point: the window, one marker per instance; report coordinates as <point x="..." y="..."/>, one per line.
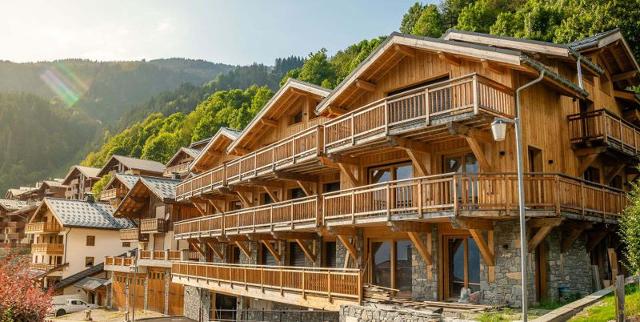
<point x="295" y="118"/>
<point x="592" y="174"/>
<point x="126" y="244"/>
<point x="392" y="264"/>
<point x="88" y="261"/>
<point x="235" y="205"/>
<point x="331" y="186"/>
<point x="330" y="254"/>
<point x="91" y="240"/>
<point x="296" y="255"/>
<point x="390" y="172"/>
<point x="296" y="193"/>
<point x="265" y="199"/>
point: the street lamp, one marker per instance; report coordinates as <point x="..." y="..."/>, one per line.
<point x="499" y="130"/>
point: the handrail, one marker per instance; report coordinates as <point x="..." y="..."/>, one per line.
<point x="603" y="125"/>
<point x="468" y="93"/>
<point x="330" y="282"/>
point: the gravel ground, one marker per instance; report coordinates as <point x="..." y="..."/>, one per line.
<point x="104" y="315"/>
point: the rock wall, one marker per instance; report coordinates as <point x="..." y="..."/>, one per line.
<point x="197" y="303"/>
<point x="354" y="313"/>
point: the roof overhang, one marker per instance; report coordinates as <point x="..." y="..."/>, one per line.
<point x="222" y="139"/>
<point x="292" y="86"/>
<point x="401" y="45"/>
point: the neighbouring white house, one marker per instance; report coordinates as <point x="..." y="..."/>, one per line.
<point x="72" y="236"/>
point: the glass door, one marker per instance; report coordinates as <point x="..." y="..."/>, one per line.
<point x="466" y="167"/>
<point x="392" y="264"/>
<point x="462" y="266"/>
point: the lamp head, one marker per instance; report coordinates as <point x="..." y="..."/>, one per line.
<point x="499" y="129"/>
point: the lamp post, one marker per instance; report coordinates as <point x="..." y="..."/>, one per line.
<point x="499" y="131"/>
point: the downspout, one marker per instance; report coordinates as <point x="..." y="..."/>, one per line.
<point x="579" y="68"/>
<point x="66" y="242"/>
<point x="523" y="234"/>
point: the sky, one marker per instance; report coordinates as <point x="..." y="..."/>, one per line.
<point x="233" y="32"/>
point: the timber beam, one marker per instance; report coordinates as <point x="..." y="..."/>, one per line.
<point x="347" y="170"/>
<point x="351" y="249"/>
<point x="487" y="253"/>
<point x="424" y="250"/>
<point x="472" y="223"/>
<point x="269" y="123"/>
<point x="405" y="51"/>
<point x="571" y="234"/>
<point x="307" y="191"/>
<point x="271" y="194"/>
<point x="194" y="243"/>
<point x="214" y="247"/>
<point x="244" y="247"/>
<point x="409" y="226"/>
<point x="246" y="201"/>
<point x="365" y="85"/>
<point x="473" y="138"/>
<point x="585" y="162"/>
<point x="595" y="238"/>
<point x="306" y="250"/>
<point x="259" y="237"/>
<point x="616" y="170"/>
<point x="545" y="226"/>
<point x="287" y="235"/>
<point x="295" y="176"/>
<point x="272" y="250"/>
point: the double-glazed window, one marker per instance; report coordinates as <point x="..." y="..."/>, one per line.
<point x="91" y="240"/>
<point x="390" y="172"/>
<point x="391" y="264"/>
<point x="402" y="194"/>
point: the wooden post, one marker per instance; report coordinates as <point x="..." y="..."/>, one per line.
<point x="619" y="298"/>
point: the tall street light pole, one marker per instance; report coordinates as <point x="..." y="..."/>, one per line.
<point x="499" y="130"/>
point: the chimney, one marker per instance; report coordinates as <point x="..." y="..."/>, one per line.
<point x="88" y="197"/>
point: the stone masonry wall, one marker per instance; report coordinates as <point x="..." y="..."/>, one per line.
<point x="425" y="279"/>
<point x="571" y="269"/>
<point x="196" y="303"/>
<point x="354" y="313"/>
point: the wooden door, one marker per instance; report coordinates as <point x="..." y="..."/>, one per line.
<point x="118" y="298"/>
<point x="136" y="292"/>
<point x="541" y="272"/>
<point x="176" y="299"/>
<point x="155" y="289"/>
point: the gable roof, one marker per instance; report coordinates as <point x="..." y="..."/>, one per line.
<point x="292" y="85"/>
<point x="88" y="172"/>
<point x="198" y="145"/>
<point x="224" y="132"/>
<point x="133" y="164"/>
<point x="522" y="44"/>
<point x="398" y="44"/>
<point x="84" y="214"/>
<point x="128" y="180"/>
<point x="9" y="205"/>
<point x="188" y="151"/>
<point x="163" y="188"/>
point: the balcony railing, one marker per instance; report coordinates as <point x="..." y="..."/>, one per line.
<point x="178" y="168"/>
<point x="284" y="215"/>
<point x="49" y="249"/>
<point x="129" y="234"/>
<point x="112" y="193"/>
<point x="119" y="261"/>
<point x="42" y="266"/>
<point x="42" y="228"/>
<point x="279" y="155"/>
<point x="329" y="287"/>
<point x="153" y="225"/>
<point x="204" y="182"/>
<point x="16" y="224"/>
<point x="301" y="147"/>
<point x="15" y="235"/>
<point x="603" y="126"/>
<point x="452" y="194"/>
<point x="418" y="108"/>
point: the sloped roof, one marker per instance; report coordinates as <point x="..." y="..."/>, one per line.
<point x="188" y="151"/>
<point x="12" y="204"/>
<point x="291" y="83"/>
<point x="478" y="51"/>
<point x="88" y="172"/>
<point x="78" y="213"/>
<point x="163" y="188"/>
<point x="134" y="164"/>
<point x="229" y="133"/>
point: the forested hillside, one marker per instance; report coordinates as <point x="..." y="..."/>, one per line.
<point x="104" y="90"/>
<point x="39" y="139"/>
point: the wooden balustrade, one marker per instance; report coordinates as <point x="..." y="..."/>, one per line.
<point x="325" y="283"/>
<point x="178" y="168"/>
<point x="296" y="148"/>
<point x="203" y="182"/>
<point x="174" y="255"/>
<point x="287" y="214"/>
<point x="454" y="193"/>
<point x="160" y="255"/>
<point x="42" y="227"/>
<point x="471" y="93"/>
<point x="47" y="248"/>
<point x="118" y="261"/>
<point x="145" y="254"/>
<point x="42" y="266"/>
<point x="153" y="225"/>
<point x="112" y="193"/>
<point x="129" y="234"/>
<point x="603" y="126"/>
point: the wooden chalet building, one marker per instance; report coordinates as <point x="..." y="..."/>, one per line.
<point x="13" y="216"/>
<point x="145" y="281"/>
<point x="70" y="236"/>
<point x="178" y="165"/>
<point x="394" y="179"/>
<point x="79" y="181"/>
<point x="123" y="164"/>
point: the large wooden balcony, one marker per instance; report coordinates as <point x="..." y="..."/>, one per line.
<point x="122" y="264"/>
<point x="486" y="195"/>
<point x="113" y="193"/>
<point x="300" y="213"/>
<point x="48" y="249"/>
<point x="129" y="234"/>
<point x="297" y="153"/>
<point x="321" y="288"/>
<point x="603" y="128"/>
<point x="420" y="113"/>
<point x="153" y="225"/>
<point x="43" y="228"/>
<point x="42" y="266"/>
<point x="181" y="168"/>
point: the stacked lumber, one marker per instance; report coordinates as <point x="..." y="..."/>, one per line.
<point x="376" y="294"/>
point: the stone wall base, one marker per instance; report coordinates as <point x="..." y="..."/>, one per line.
<point x="356" y="313"/>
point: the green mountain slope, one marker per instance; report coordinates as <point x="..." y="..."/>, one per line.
<point x="39" y="139"/>
<point x="104" y="90"/>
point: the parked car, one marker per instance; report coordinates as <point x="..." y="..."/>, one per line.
<point x="63" y="305"/>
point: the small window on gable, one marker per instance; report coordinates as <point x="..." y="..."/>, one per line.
<point x="296" y="118"/>
<point x="126" y="244"/>
<point x="88" y="261"/>
<point x="91" y="240"/>
<point x="592" y="175"/>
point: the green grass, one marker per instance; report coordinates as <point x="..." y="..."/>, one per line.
<point x="605" y="309"/>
